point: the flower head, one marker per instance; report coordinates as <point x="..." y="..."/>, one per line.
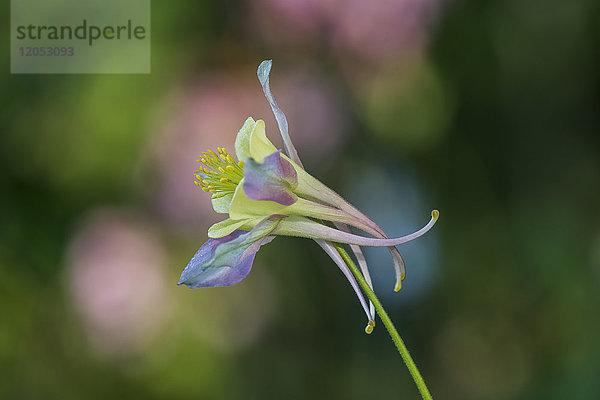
<point x="267" y="193"/>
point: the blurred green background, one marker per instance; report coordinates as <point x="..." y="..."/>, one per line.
<point x="488" y="111"/>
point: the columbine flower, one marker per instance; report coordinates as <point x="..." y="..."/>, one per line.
<point x="267" y="193"/>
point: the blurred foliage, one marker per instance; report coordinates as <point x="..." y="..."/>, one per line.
<point x="494" y="113"/>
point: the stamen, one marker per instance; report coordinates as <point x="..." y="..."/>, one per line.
<point x="220" y="174"/>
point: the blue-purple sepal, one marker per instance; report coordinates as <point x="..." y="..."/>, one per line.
<point x="228" y="260"/>
<point x="274" y="180"/>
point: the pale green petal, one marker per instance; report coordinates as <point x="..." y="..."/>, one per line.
<point x="242" y="140"/>
<point x="311" y="188"/>
<point x="221" y="204"/>
<point x="252" y="141"/>
<point x="225" y="227"/>
<point x="243" y="208"/>
<point x="260" y="145"/>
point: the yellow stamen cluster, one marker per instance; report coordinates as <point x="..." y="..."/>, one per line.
<point x="220" y="173"/>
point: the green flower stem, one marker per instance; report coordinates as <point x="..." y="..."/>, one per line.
<point x="414" y="371"/>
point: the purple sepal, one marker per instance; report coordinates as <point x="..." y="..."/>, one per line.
<point x="273" y="180"/>
<point x="228" y="260"/>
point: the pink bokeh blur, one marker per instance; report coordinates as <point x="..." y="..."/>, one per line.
<point x="373" y="31"/>
<point x="117" y="281"/>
